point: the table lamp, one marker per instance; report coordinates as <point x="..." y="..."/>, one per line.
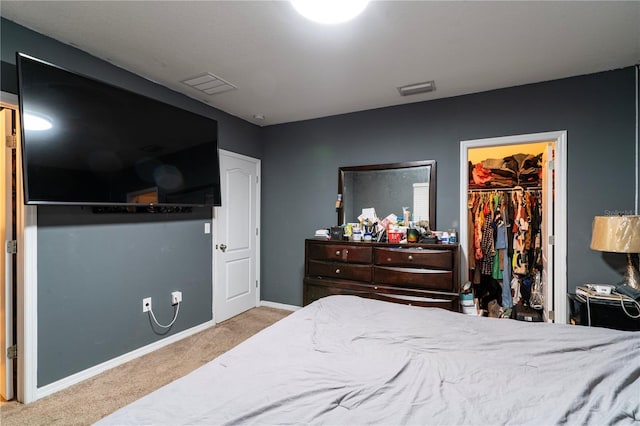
<point x="619" y="234"/>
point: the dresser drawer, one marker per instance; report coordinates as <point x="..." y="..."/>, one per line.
<point x="340" y="253"/>
<point x="316" y="288"/>
<point x="432" y="279"/>
<point x="438" y="259"/>
<point x="450" y="303"/>
<point x="344" y="271"/>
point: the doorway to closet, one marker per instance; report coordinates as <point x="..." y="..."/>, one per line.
<point x="513" y="223"/>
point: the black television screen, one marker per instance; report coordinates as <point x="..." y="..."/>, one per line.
<point x="86" y="142"/>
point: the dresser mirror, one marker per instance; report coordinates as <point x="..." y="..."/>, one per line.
<point x="388" y="188"/>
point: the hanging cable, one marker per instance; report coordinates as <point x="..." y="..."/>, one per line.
<point x="624" y="298"/>
<point x="175" y="316"/>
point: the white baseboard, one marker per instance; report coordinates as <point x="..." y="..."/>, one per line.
<point x="100" y="368"/>
<point x="279" y="305"/>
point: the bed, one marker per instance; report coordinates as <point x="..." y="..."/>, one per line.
<point x="345" y="360"/>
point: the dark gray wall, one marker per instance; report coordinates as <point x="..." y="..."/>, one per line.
<point x="300" y="166"/>
<point x="94" y="270"/>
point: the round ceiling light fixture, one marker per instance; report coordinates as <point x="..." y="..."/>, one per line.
<point x="329" y="11"/>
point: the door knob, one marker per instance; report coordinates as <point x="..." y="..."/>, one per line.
<point x="223" y="248"/>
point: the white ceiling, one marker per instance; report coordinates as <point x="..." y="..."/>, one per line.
<point x="288" y="68"/>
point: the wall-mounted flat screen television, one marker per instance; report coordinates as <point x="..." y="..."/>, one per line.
<point x="87" y="142"/>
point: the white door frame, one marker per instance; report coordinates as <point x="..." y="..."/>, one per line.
<point x="215" y="241"/>
<point x="27" y="280"/>
<point x="560" y="206"/>
<point x="6" y="289"/>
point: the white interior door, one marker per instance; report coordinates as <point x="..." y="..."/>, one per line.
<point x="547" y="229"/>
<point x="6" y="266"/>
<point x="236" y="253"/>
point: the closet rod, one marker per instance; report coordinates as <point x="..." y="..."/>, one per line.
<point x="527" y="189"/>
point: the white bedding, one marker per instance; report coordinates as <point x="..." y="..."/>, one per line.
<point x="345" y="360"/>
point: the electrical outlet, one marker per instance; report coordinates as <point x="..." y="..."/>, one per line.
<point x="146" y="304"/>
<point x="176" y="297"/>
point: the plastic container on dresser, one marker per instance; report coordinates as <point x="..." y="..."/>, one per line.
<point x="413" y="274"/>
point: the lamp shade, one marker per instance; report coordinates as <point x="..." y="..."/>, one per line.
<point x="619" y="234"/>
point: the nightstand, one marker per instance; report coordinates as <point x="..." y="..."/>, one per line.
<point x="602" y="313"/>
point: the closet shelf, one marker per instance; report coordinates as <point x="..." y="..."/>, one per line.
<point x="527" y="188"/>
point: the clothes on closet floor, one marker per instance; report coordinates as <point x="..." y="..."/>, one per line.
<point x="506" y="249"/>
<point x="519" y="169"/>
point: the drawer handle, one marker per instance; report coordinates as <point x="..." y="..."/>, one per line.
<point x="388" y="259"/>
<point x="346" y="251"/>
<point x="337" y="252"/>
<point x="338" y="271"/>
<point x="410" y="257"/>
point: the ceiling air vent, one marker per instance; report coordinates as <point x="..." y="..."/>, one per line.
<point x="415" y="88"/>
<point x="209" y="84"/>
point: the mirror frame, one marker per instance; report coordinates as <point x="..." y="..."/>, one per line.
<point x="404" y="165"/>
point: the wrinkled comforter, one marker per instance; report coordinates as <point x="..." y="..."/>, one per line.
<point x="344" y="360"/>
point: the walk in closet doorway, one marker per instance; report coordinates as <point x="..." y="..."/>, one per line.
<point x="513" y="222"/>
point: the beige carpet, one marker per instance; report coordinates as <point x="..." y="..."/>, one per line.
<point x="91" y="400"/>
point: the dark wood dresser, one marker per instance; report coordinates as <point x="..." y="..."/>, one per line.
<point x="413" y="274"/>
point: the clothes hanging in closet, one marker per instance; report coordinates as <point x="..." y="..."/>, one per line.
<point x="506" y="243"/>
